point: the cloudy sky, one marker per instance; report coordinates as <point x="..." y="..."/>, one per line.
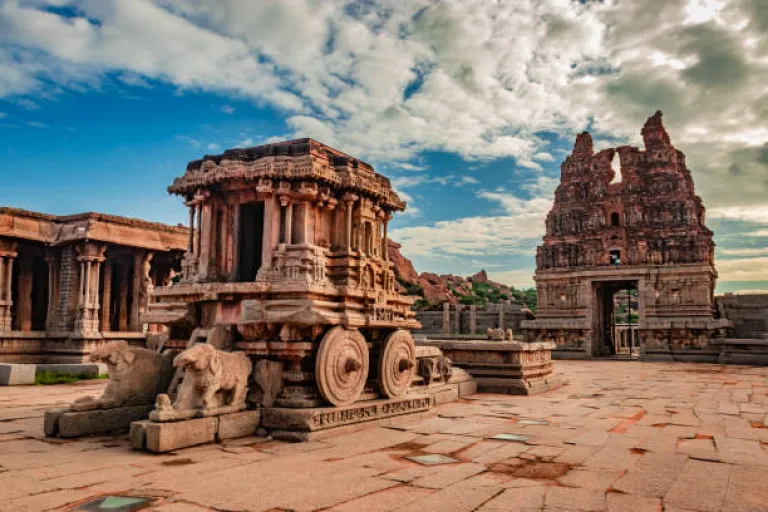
<point x="469" y="106"/>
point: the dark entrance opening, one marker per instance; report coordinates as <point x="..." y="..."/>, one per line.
<point x="249" y="240"/>
<point x="616" y="319"/>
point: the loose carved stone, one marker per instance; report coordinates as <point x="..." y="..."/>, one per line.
<point x="495" y="334"/>
<point x="500" y="334"/>
<point x="341" y="365"/>
<point x="435" y="369"/>
<point x="215" y="382"/>
<point x="136" y="376"/>
<point x="397" y="363"/>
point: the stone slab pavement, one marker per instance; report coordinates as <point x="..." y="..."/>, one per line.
<point x="620" y="436"/>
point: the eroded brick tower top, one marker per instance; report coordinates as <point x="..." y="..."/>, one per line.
<point x="651" y="217"/>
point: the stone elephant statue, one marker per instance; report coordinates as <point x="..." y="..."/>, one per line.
<point x="214" y="381"/>
<point x="136" y="376"/>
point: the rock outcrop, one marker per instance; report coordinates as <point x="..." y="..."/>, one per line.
<point x="437" y="289"/>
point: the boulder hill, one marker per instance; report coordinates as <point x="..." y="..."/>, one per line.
<point x="436" y="289"/>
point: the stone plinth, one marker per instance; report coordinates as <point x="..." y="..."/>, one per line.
<point x="68" y="424"/>
<point x="511" y="367"/>
<point x="742" y="351"/>
<point x="165" y="437"/>
<point x="308" y="424"/>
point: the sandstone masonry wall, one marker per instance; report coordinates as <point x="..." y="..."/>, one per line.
<point x="749" y="314"/>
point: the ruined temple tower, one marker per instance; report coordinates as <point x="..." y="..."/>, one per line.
<point x="645" y="233"/>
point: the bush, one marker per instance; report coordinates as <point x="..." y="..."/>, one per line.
<point x="411" y="288"/>
<point x="46" y="378"/>
<point x="422" y="304"/>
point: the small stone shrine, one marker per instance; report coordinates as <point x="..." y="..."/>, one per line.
<point x="646" y="234"/>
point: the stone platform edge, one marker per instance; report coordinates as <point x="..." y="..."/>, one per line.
<point x="164" y="437"/>
<point x="66" y="423"/>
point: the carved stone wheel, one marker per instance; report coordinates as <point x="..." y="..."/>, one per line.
<point x="341" y="367"/>
<point x="397" y="362"/>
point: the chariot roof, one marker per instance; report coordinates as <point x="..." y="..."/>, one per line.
<point x="295" y="160"/>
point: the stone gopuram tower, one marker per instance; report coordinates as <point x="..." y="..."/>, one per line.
<point x="646" y="234"/>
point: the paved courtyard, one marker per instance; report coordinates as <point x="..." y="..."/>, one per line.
<point x="621" y="436"/>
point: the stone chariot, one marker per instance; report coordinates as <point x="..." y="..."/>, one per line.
<point x="287" y="262"/>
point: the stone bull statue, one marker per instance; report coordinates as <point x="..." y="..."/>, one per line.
<point x="136" y="376"/>
<point x="215" y="382"/>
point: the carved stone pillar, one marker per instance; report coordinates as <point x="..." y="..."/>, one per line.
<point x="349" y="201"/>
<point x="23" y="319"/>
<point x="7" y="255"/>
<point x="472" y="319"/>
<point x="206" y="238"/>
<point x="199" y="228"/>
<point x="457" y="320"/>
<point x="122" y="322"/>
<point x="385" y="238"/>
<point x="89" y="256"/>
<point x="288" y="235"/>
<point x="268" y="236"/>
<point x="446" y="318"/>
<point x="106" y="298"/>
<point x="191" y="242"/>
<point x="53" y="291"/>
<point x="142" y="288"/>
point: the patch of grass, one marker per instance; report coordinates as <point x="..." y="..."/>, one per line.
<point x="47" y="378"/>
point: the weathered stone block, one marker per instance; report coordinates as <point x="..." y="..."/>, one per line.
<point x="137" y="437"/>
<point x="446" y="396"/>
<point x="51" y="421"/>
<point x="165" y="437"/>
<point x="467" y="388"/>
<point x="63" y="423"/>
<point x="238" y="424"/>
<point x="17" y="374"/>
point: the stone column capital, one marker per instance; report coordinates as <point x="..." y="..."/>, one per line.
<point x="265" y="186"/>
<point x="8" y="247"/>
<point x="90" y="251"/>
<point x="201" y="195"/>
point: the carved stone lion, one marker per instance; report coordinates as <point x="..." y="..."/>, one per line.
<point x="136" y="376"/>
<point x="214" y="381"/>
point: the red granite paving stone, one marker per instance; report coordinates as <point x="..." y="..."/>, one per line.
<point x="520" y="498"/>
<point x="546" y="452"/>
<point x="739" y="428"/>
<point x="45" y="501"/>
<point x="577" y="454"/>
<point x="619" y="502"/>
<point x="595" y="480"/>
<point x="511" y="449"/>
<point x="700" y="486"/>
<point x="450" y="475"/>
<point x="456" y="498"/>
<point x="652" y="475"/>
<point x="574" y="499"/>
<point x="384" y="501"/>
<point x="747" y="490"/>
